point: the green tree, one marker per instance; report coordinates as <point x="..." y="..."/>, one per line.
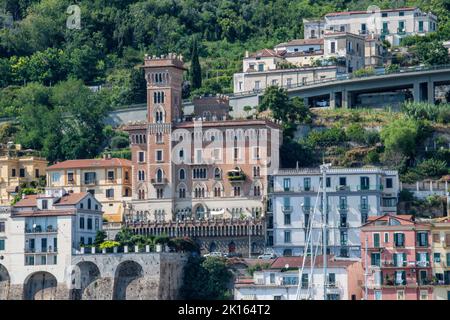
<point x="206" y="279"/>
<point x="195" y="70"/>
<point x="433" y="53"/>
<point x="400" y="135"/>
<point x="100" y="237"/>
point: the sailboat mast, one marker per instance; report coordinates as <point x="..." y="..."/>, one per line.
<point x="324" y="228"/>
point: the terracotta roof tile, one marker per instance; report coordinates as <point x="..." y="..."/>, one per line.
<point x="44" y="213"/>
<point x="264" y="53"/>
<point x="71" y="199"/>
<point x="344" y="13"/>
<point x="91" y="163"/>
<point x="27" y="201"/>
<point x="301" y="42"/>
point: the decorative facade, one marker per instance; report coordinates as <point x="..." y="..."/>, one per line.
<point x="196" y="169"/>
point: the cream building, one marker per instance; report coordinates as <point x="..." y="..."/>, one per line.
<point x="347" y="48"/>
<point x="109" y="180"/>
<point x="441" y="257"/>
<point x="16" y="171"/>
<point x="257" y="81"/>
<point x="391" y="24"/>
<point x="38" y="236"/>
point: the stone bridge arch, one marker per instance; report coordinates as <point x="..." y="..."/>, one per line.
<point x="129" y="281"/>
<point x="5" y="282"/>
<point x="86" y="282"/>
<point x="40" y="285"/>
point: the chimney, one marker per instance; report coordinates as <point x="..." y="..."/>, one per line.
<point x="246" y="53"/>
<point x="104" y="156"/>
<point x="109" y="156"/>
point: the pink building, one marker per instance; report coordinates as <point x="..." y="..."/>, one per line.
<point x="396" y="257"/>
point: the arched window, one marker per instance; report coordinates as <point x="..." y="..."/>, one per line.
<point x="159" y="175"/>
<point x="181" y="154"/>
<point x="182" y="192"/>
<point x="217" y="173"/>
<point x="182" y="174"/>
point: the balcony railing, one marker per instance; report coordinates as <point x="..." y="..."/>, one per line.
<point x="286" y="208"/>
<point x="342" y="188"/>
<point x="90" y="182"/>
<point x="39" y="229"/>
<point x="41" y="251"/>
<point x="369" y="187"/>
<point x="159" y="181"/>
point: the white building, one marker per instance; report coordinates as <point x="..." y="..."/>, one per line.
<point x="280" y="281"/>
<point x="353" y="194"/>
<point x="40" y="233"/>
<point x="391" y="24"/>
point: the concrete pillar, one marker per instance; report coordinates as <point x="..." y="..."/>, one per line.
<point x="332" y="100"/>
<point x="104" y="250"/>
<point x="93" y="250"/>
<point x="136" y="248"/>
<point x="430" y="88"/>
<point x="125" y="249"/>
<point x="115" y="250"/>
<point x="147" y="248"/>
<point x="417" y="186"/>
<point x="344" y="99"/>
<point x="416" y="92"/>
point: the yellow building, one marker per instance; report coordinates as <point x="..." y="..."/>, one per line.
<point x="109" y="180"/>
<point x="441" y="257"/>
<point x="18" y="170"/>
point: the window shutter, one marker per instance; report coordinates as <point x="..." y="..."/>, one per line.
<point x="395" y="259"/>
<point x="417" y="256"/>
<point x="404" y="259"/>
<point x="404" y="277"/>
<point x="395" y="238"/>
<point x="435" y="237"/>
<point x="427" y="257"/>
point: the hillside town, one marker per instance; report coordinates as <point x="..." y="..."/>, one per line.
<point x="207" y="179"/>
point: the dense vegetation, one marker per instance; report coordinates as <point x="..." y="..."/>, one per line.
<point x="44" y="67"/>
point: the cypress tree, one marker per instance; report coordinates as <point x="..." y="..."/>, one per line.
<point x="195" y="71"/>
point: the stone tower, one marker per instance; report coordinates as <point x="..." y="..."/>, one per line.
<point x="164" y="77"/>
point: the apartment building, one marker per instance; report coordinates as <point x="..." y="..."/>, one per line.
<point x="300" y="62"/>
<point x="17" y="169"/>
<point x="440" y="248"/>
<point x="108" y="179"/>
<point x="37" y="238"/>
<point x="347" y="48"/>
<point x="258" y="81"/>
<point x="190" y="171"/>
<point x="313" y="29"/>
<point x="281" y="280"/>
<point x="353" y="195"/>
<point x="396" y="257"/>
<point x="391" y="24"/>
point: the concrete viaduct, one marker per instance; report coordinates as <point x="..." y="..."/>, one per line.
<point x="104" y="276"/>
<point x="420" y="81"/>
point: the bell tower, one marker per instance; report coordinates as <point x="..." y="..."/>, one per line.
<point x="164" y="77"/>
